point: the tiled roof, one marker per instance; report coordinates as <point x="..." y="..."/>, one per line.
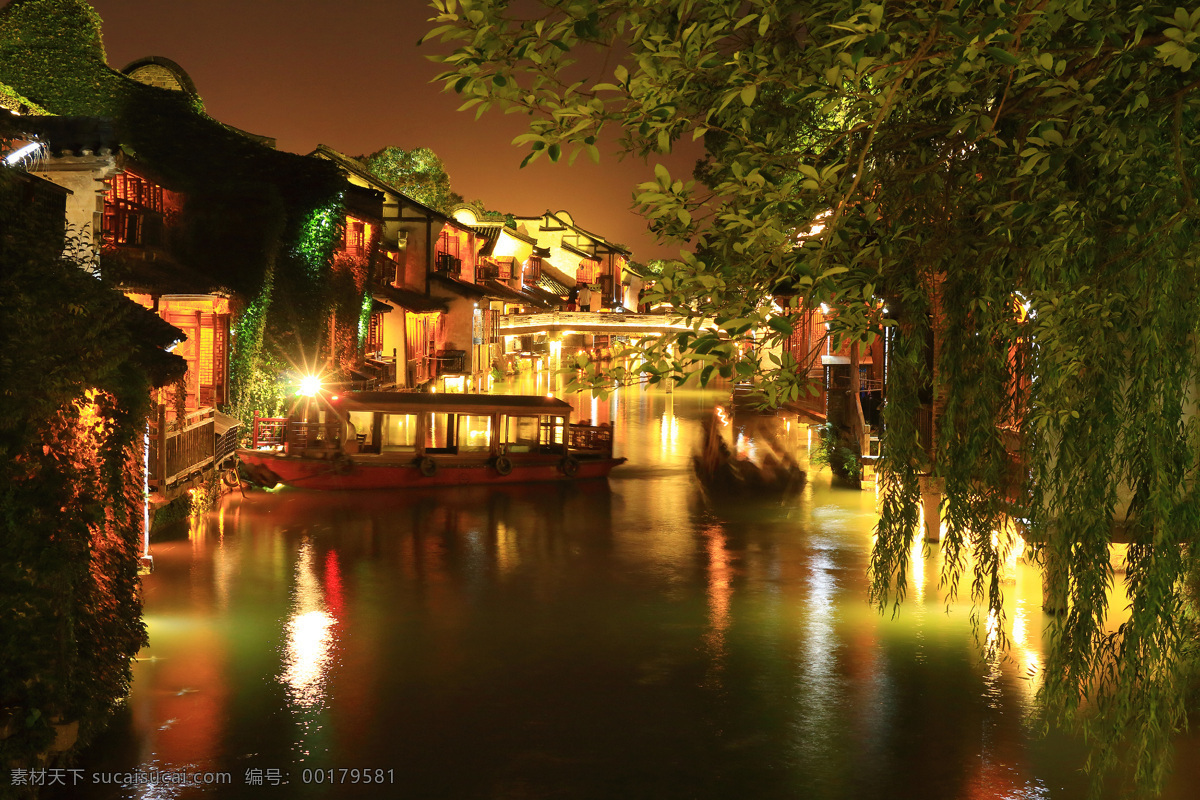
<point x="130" y="270"/>
<point x="489" y="234"/>
<point x="570" y="248"/>
<point x="72" y="134"/>
<point x="413" y="301"/>
<point x="548" y="284"/>
<point x="462" y="287"/>
<point x="502" y="292"/>
<point x="543" y="296"/>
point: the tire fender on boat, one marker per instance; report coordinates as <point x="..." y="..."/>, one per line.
<point x="569" y="466"/>
<point x="427" y="466"/>
<point x="230" y="478"/>
<point x="503" y="465"/>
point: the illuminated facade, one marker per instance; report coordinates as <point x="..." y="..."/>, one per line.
<point x="126" y="218"/>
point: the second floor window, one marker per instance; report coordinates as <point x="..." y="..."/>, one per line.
<point x="532" y="271"/>
<point x="448" y="258"/>
<point x="587" y="271"/>
<point x="134" y="209"/>
<point x="356" y="236"/>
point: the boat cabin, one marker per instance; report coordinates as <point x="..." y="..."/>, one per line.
<point x="379" y="440"/>
<point x="414" y="425"/>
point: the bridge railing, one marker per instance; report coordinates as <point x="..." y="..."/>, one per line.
<point x="591" y="319"/>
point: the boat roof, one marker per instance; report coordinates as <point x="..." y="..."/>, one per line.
<point x="412" y="402"/>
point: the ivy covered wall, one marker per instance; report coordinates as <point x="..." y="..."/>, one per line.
<point x="257" y="221"/>
<point x="78" y="361"/>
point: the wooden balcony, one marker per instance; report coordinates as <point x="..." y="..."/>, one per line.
<point x="181" y="447"/>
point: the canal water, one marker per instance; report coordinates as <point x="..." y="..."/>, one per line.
<point x="625" y="639"/>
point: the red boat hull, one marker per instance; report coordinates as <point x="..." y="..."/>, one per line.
<point x="358" y="472"/>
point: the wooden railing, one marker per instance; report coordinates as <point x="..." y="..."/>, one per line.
<point x="269" y="432"/>
<point x="304" y="435"/>
<point x="182" y="447"/>
<point x="272" y="433"/>
<point x="226" y="444"/>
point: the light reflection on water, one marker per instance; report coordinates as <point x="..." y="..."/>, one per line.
<point x="604" y="640"/>
<point x="308" y="656"/>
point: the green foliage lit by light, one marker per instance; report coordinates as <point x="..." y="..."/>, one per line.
<point x="318" y="236"/>
<point x="10" y="98"/>
<point x="364" y="319"/>
<point x="418" y="173"/>
<point x="253" y="373"/>
<point x="954" y="156"/>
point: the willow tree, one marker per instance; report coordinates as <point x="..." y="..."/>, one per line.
<point x="1019" y="177"/>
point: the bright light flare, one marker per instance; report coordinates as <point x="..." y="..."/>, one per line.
<point x="16" y="156"/>
<point x="309" y="386"/>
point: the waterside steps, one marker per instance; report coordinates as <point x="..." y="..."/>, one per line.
<point x="869" y="478"/>
<point x="870" y="460"/>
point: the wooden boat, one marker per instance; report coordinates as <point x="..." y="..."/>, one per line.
<point x="388" y="440"/>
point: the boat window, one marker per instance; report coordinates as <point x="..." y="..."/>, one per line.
<point x="474" y="434"/>
<point x="522" y="434"/>
<point x="361" y="420"/>
<point x="552" y="431"/>
<point x="439" y="433"/>
<point x="399" y="433"/>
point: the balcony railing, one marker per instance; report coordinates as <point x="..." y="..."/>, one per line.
<point x="182" y="448"/>
<point x="446" y="264"/>
<point x="450" y="362"/>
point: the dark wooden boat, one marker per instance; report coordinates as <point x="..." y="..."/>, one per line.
<point x="387" y="440"/>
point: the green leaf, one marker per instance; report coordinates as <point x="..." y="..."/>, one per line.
<point x="1003" y="56"/>
<point x="748" y="93"/>
<point x="780" y="325"/>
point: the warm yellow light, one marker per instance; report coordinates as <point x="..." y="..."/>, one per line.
<point x="309" y="386"/>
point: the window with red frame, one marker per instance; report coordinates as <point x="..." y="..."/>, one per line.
<point x="134" y="210"/>
<point x="356" y="236"/>
<point x="375" y="334"/>
<point x="448" y="256"/>
<point x="586" y="272"/>
<point x="533" y="270"/>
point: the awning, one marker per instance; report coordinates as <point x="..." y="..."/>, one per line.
<point x="379" y="308"/>
<point x="223" y="423"/>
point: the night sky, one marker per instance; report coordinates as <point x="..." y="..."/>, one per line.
<point x="350" y="75"/>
